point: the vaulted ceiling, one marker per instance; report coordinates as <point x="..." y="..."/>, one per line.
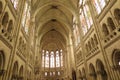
<point x="53" y="18"/>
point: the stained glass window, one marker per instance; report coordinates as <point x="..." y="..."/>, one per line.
<point x="47" y="59"/>
<point x="61" y="58"/>
<point x="52" y="61"/>
<point x="57" y="59"/>
<point x="85" y="17"/>
<point x="96" y="5"/>
<point x="15" y="3"/>
<point x="99" y="4"/>
<point x="26" y="18"/>
<point x="102" y="3"/>
<point x="88" y="16"/>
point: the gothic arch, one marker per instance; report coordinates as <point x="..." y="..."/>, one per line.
<point x="10" y="27"/>
<point x="1" y="7"/>
<point x="80" y="75"/>
<point x="105" y="29"/>
<point x="111" y="24"/>
<point x="89" y="44"/>
<point x="2" y="62"/>
<point x="92" y="72"/>
<point x="92" y="43"/>
<point x="73" y="74"/>
<point x="117" y="14"/>
<point x="15" y="70"/>
<point x="95" y="39"/>
<point x="116" y="59"/>
<point x="5" y="21"/>
<point x="101" y="70"/>
<point x="83" y="74"/>
<point x="21" y="73"/>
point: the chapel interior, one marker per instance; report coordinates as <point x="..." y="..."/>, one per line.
<point x="59" y="39"/>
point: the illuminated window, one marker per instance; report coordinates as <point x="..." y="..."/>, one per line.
<point x="85" y="17"/>
<point x="15" y="3"/>
<point x="47" y="59"/>
<point x="45" y="73"/>
<point x="57" y="59"/>
<point x="61" y="58"/>
<point x="96" y="5"/>
<point x="26" y="18"/>
<point x="102" y="3"/>
<point x="50" y="73"/>
<point x="53" y="73"/>
<point x="88" y="16"/>
<point x="52" y="61"/>
<point x="43" y="59"/>
<point x="99" y="5"/>
<point x="58" y="73"/>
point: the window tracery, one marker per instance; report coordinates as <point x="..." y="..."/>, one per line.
<point x="85" y="17"/>
<point x="51" y="59"/>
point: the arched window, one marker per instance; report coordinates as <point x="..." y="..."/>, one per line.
<point x="21" y="72"/>
<point x="85" y="16"/>
<point x="26" y="17"/>
<point x="57" y="59"/>
<point x="111" y="24"/>
<point x="15" y="3"/>
<point x="105" y="29"/>
<point x="15" y="71"/>
<point x="116" y="59"/>
<point x="117" y="15"/>
<point x="47" y="59"/>
<point x="61" y="58"/>
<point x="2" y="60"/>
<point x="83" y="74"/>
<point x="89" y="44"/>
<point x="92" y="72"/>
<point x="88" y="16"/>
<point x="101" y="70"/>
<point x="95" y="39"/>
<point x="52" y="59"/>
<point x="92" y="42"/>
